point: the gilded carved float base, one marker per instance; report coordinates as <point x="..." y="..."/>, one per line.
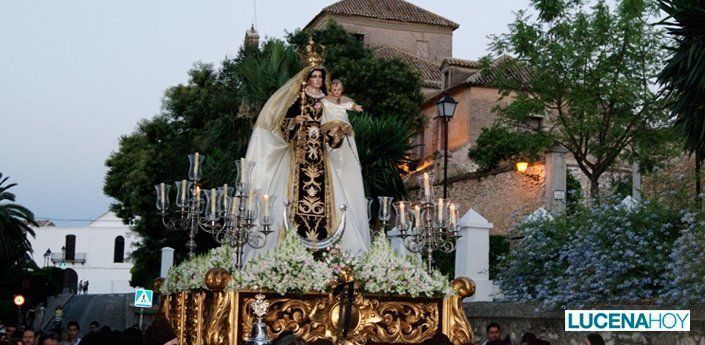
<point x="225" y="317"/>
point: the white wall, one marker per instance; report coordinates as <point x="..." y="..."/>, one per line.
<point x="97" y="240"/>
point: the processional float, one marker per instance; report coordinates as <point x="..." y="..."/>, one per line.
<point x="239" y="216"/>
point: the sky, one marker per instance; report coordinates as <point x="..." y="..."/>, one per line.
<point x="76" y="75"/>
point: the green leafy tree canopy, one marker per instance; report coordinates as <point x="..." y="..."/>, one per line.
<point x="587" y="69"/>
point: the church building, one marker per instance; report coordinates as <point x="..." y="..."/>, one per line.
<point x="98" y="253"/>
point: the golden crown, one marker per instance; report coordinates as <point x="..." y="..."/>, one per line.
<point x="313" y="57"/>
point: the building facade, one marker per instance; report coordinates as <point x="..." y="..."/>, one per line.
<point x="423" y="40"/>
<point x="98" y="253"/>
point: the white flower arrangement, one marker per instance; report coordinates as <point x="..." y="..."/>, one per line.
<point x="382" y="270"/>
<point x="191" y="274"/>
<point x="291" y="268"/>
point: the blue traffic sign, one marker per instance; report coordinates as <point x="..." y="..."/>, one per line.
<point x="143" y="298"/>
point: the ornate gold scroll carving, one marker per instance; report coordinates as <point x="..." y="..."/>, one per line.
<point x="455" y="324"/>
<point x="217" y="326"/>
<point x="217" y="317"/>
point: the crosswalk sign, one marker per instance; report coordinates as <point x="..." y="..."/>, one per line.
<point x="62" y="265"/>
<point x="143" y="298"/>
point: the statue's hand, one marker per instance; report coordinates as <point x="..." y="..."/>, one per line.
<point x="300" y="119"/>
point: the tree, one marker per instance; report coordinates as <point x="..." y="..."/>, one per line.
<point x="15" y="225"/>
<point x="386" y="88"/>
<point x="382" y="145"/>
<point x="588" y="70"/>
<point x="156" y="152"/>
<point x="684" y="75"/>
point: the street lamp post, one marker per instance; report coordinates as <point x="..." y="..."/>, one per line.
<point x="446" y="108"/>
<point x="47" y="255"/>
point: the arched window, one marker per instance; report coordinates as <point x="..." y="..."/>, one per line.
<point x="119" y="254"/>
<point x="70" y="251"/>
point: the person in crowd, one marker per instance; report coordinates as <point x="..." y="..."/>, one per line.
<point x="531" y="339"/>
<point x="95" y="326"/>
<point x="58" y="317"/>
<point x="10" y="332"/>
<point x="438" y="339"/>
<point x="85" y="287"/>
<point x="72" y="336"/>
<point x="48" y="339"/>
<point x="159" y="332"/>
<point x="594" y="339"/>
<point x="3" y="334"/>
<point x="494" y="332"/>
<point x="28" y="337"/>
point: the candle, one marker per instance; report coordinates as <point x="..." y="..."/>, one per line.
<point x="243" y="173"/>
<point x="195" y="164"/>
<point x="183" y="192"/>
<point x="440" y="210"/>
<point x="250" y="201"/>
<point x="265" y="202"/>
<point x="417" y="216"/>
<point x="234" y="206"/>
<point x="426" y="186"/>
<point x="198" y="193"/>
<point x="453" y="218"/>
<point x="214" y="196"/>
<point x="402" y="213"/>
<point x="225" y="190"/>
<point x="162" y="193"/>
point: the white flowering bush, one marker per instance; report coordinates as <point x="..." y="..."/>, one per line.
<point x="382" y="270"/>
<point x="601" y="253"/>
<point x="686" y="267"/>
<point x="290" y="267"/>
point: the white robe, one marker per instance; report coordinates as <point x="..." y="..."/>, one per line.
<point x="270" y="152"/>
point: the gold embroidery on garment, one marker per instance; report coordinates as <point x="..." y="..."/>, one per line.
<point x="309" y="180"/>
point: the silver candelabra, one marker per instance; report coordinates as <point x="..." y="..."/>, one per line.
<point x="236" y="216"/>
<point x="425" y="226"/>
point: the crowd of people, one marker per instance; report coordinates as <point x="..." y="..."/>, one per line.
<point x="160" y="333"/>
<point x="493" y="334"/>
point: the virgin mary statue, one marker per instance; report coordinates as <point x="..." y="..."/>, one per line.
<point x="303" y="157"/>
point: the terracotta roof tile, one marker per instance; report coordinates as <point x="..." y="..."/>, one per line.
<point x="503" y="64"/>
<point x="430" y="73"/>
<point x="463" y="63"/>
<point x="394" y="10"/>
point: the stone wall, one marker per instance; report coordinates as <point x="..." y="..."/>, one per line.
<point x="502" y="197"/>
<point x="429" y="42"/>
<point x="518" y="318"/>
<point x="674" y="183"/>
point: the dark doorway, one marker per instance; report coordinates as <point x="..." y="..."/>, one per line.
<point x="70" y="281"/>
<point x="119" y="253"/>
<point x="70" y="253"/>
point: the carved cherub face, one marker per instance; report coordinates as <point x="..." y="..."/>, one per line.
<point x="315" y="80"/>
<point x="337" y="89"/>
